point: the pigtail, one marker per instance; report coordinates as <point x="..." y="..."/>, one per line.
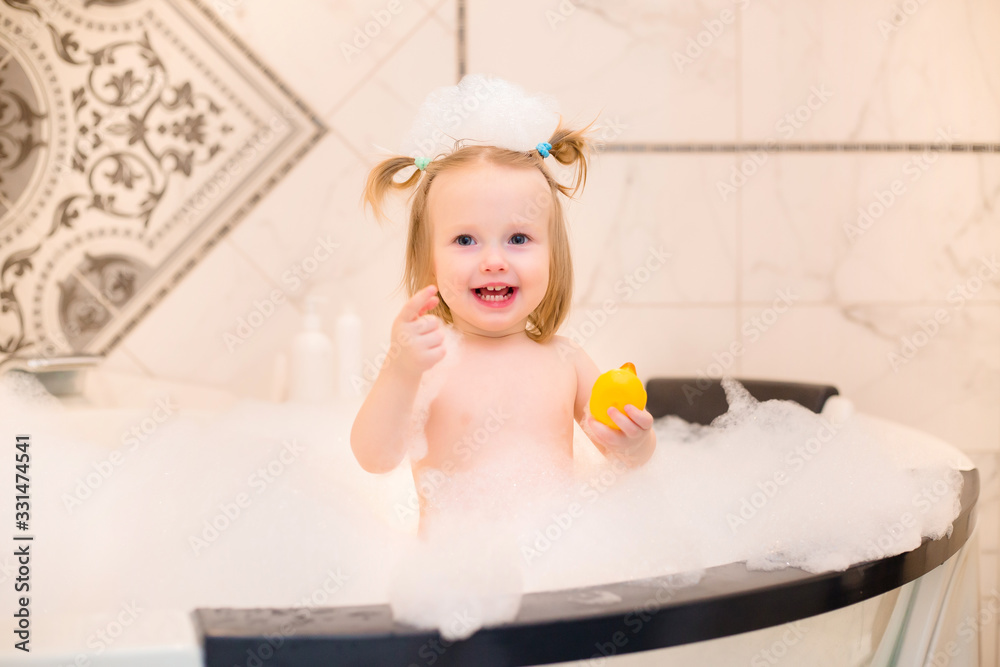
<point x="381" y="179"/>
<point x="569" y="147"/>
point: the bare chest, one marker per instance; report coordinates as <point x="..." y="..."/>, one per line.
<point x="499" y="405"/>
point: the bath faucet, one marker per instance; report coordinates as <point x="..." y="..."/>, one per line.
<point x="60" y="375"/>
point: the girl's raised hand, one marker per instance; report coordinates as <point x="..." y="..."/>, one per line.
<point x="417" y="338"/>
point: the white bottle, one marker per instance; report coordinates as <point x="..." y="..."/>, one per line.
<point x="310" y="368"/>
<point x="350" y="364"/>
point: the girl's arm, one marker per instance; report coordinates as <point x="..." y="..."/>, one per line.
<point x="378" y="434"/>
<point x="635" y="443"/>
<point x="378" y="437"/>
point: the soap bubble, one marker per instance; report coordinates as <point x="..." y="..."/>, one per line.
<point x="265" y="506"/>
<point x="481" y="110"/>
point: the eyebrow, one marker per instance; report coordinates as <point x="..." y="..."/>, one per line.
<point x="512" y="226"/>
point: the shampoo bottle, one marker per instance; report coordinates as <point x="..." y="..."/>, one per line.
<point x="310" y="368"/>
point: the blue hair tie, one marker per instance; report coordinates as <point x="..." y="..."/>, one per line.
<point x="544" y="148"/>
<point x="421" y="162"/>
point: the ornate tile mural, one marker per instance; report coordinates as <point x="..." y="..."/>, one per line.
<point x="133" y="135"/>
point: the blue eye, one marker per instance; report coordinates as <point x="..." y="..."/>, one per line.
<point x="519" y="239"/>
<point x="464" y="239"/>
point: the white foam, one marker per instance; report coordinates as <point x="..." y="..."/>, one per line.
<point x="770" y="483"/>
<point x="483" y="110"/>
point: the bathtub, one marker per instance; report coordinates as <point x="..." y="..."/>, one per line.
<point x="911" y="609"/>
<point x="908" y="609"/>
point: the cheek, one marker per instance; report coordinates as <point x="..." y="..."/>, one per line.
<point x="449" y="279"/>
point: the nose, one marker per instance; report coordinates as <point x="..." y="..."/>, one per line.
<point x="493" y="260"/>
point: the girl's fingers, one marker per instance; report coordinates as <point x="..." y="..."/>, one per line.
<point x="642" y="418"/>
<point x="423" y="326"/>
<point x="430" y="305"/>
<point x="430" y="323"/>
<point x="434" y="339"/>
<point x="416" y="305"/>
<point x="627" y="426"/>
<point x="603" y="432"/>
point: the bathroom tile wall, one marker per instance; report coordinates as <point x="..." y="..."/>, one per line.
<point x="132" y="138"/>
<point x="900" y="309"/>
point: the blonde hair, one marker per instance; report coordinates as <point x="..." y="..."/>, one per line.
<point x="569" y="147"/>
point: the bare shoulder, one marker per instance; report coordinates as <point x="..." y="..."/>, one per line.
<point x="566" y="350"/>
<point x="582" y="366"/>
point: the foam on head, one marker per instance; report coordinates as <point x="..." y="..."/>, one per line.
<point x="264" y="505"/>
<point x="481" y="110"/>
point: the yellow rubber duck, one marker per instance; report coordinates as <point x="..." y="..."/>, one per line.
<point x="618" y="387"/>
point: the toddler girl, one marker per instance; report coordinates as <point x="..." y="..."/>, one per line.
<point x="488" y="265"/>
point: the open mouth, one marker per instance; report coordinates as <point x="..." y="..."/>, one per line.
<point x="495" y="294"/>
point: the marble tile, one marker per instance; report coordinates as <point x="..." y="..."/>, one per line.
<point x="299" y="233"/>
<point x="649" y="229"/>
<point x="446" y="13"/>
<point x="621" y="61"/>
<point x="367" y="283"/>
<point x="664" y="342"/>
<point x="988" y="523"/>
<point x="947" y="384"/>
<point x="313" y="238"/>
<point x="219" y="327"/>
<point x="872" y="228"/>
<point x="379" y="114"/>
<point x="309" y="236"/>
<point x="121" y="360"/>
<point x="326" y="49"/>
<point x="372" y="290"/>
<point x="886" y="71"/>
<point x="153" y="132"/>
